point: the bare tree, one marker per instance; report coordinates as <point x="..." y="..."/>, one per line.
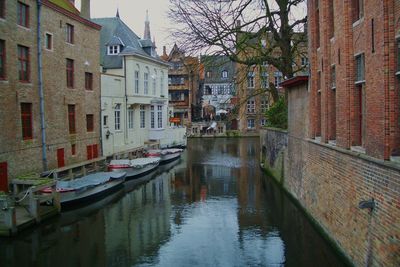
<point x="249" y="32"/>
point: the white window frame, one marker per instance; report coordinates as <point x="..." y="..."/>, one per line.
<point x="113" y="50"/>
<point x="159" y="116"/>
<point x="142" y="116"/>
<point x="152" y="118"/>
<point x="224" y="74"/>
<point x="146" y="83"/>
<point x="131" y="118"/>
<point x="117" y="117"/>
<point x="250" y="79"/>
<point x="251" y="105"/>
<point x="250" y="125"/>
<point x="137" y="75"/>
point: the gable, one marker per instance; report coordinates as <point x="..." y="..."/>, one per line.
<point x="66" y="5"/>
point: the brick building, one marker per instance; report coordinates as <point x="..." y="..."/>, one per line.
<point x="254" y="83"/>
<point x="354" y="88"/>
<point x="183" y="84"/>
<point x="68" y="49"/>
<point x="340" y="155"/>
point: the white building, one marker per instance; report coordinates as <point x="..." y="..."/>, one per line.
<point x="134" y="91"/>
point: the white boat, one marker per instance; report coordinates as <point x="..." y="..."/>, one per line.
<point x="134" y="168"/>
<point x="166" y="155"/>
<point x="88" y="188"/>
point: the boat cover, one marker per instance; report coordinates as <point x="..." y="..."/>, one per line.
<point x="135" y="163"/>
<point x="164" y="151"/>
<point x="89" y="180"/>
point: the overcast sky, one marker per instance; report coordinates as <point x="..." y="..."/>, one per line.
<point x="133" y="13"/>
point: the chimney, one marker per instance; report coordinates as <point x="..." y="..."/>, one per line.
<point x="85" y="8"/>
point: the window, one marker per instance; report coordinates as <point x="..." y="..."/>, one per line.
<point x="2" y="60"/>
<point x="105" y="121"/>
<point x="317" y="37"/>
<point x="152" y="118"/>
<point x="113" y="50"/>
<point x="88" y="81"/>
<point x="23" y="64"/>
<point x="136" y="82"/>
<point x="159" y="116"/>
<point x="264" y="106"/>
<point x="263" y="122"/>
<point x="264" y="43"/>
<point x="251" y="106"/>
<point x="146" y="83"/>
<point x="360" y="67"/>
<point x="2" y="9"/>
<point x="117" y="117"/>
<point x="359" y="118"/>
<point x="278" y="78"/>
<point x="250" y="124"/>
<point x="71" y="119"/>
<point x="73" y="149"/>
<point x="154" y="84"/>
<point x="250" y="79"/>
<point x="26" y="121"/>
<point x="208" y="74"/>
<point x="48" y="41"/>
<point x="331" y="19"/>
<point x="89" y="122"/>
<point x="70" y="33"/>
<point x="264" y="80"/>
<point x="92" y="151"/>
<point x="358" y="9"/>
<point x="398" y="55"/>
<point x="224" y="74"/>
<point x="318" y="106"/>
<point x="130" y="118"/>
<point x="161" y="83"/>
<point x="142" y="116"/>
<point x="333" y="77"/>
<point x="304" y="61"/>
<point x="70" y="73"/>
<point x="23" y="14"/>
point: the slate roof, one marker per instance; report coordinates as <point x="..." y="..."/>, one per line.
<point x="114" y="30"/>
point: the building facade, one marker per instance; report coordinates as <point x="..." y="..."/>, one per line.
<point x="218" y="86"/>
<point x="183" y="85"/>
<point x="254" y="83"/>
<point x="49" y="87"/>
<point x="134" y="91"/>
<point x="341" y="161"/>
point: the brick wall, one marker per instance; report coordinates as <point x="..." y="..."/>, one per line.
<point x="338" y="112"/>
<point x="25" y="156"/>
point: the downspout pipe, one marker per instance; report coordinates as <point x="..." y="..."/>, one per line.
<point x="40" y="85"/>
<point x="126" y="105"/>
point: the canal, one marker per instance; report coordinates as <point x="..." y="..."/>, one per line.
<point x="214" y="207"/>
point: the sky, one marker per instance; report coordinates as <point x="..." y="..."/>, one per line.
<point x="133" y="13"/>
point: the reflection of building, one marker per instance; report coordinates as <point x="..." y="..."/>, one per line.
<point x="183" y="85"/>
<point x="139" y="224"/>
<point x="218" y="85"/>
<point x="49" y="114"/>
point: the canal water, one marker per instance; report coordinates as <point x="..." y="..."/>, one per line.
<point x="214" y="207"/>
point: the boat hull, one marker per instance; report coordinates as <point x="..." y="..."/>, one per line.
<point x="133" y="173"/>
<point x="87" y="195"/>
<point x="170" y="157"/>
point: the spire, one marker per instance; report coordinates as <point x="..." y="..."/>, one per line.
<point x="117" y="13"/>
<point x="147" y="35"/>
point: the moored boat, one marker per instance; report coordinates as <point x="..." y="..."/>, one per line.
<point x="134" y="168"/>
<point x="87" y="188"/>
<point x="165" y="155"/>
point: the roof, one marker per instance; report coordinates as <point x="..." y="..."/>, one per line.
<point x="115" y="31"/>
<point x="295" y="81"/>
<point x="67" y="5"/>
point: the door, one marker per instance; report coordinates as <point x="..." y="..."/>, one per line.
<point x="60" y="157"/>
<point x="3" y="177"/>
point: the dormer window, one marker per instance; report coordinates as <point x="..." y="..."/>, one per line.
<point x="113" y="50"/>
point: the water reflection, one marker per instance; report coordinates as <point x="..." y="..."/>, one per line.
<point x="212" y="208"/>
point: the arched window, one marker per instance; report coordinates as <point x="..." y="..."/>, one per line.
<point x="146" y="81"/>
<point x="154" y="78"/>
<point x="137" y="79"/>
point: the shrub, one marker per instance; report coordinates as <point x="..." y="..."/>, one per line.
<point x="277" y="115"/>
